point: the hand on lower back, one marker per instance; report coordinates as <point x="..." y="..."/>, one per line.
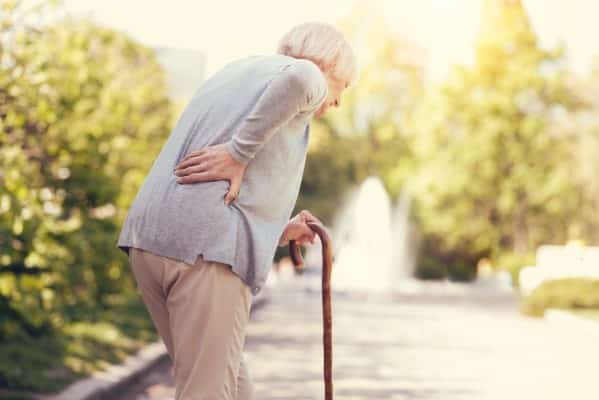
<point x="212" y="163"/>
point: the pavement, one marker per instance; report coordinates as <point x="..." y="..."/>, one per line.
<point x="468" y="346"/>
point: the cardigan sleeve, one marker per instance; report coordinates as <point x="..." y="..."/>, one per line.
<point x="296" y="88"/>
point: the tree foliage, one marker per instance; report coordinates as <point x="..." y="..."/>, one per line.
<point x="495" y="178"/>
<point x="83" y="113"/>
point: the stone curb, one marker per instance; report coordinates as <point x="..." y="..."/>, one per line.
<point x="566" y="319"/>
<point x="107" y="383"/>
<point x="101" y="384"/>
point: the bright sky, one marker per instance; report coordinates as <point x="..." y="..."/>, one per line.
<point x="227" y="29"/>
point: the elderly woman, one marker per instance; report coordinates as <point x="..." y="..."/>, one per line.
<point x="203" y="229"/>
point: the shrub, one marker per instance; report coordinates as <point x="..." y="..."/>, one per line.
<point x="84" y="111"/>
<point x="461" y="272"/>
<point x="569" y="293"/>
<point x="431" y="269"/>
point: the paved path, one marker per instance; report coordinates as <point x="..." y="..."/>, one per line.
<point x="414" y="347"/>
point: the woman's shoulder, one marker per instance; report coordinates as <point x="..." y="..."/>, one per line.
<point x="306" y="70"/>
<point x="312" y="81"/>
<point x="302" y="68"/>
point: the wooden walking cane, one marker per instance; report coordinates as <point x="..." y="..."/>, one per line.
<point x="327" y="318"/>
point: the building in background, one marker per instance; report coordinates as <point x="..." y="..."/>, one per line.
<point x="185" y="69"/>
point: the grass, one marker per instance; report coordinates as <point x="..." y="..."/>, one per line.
<point x="49" y="364"/>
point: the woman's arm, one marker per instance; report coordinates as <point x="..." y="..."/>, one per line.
<point x="299" y="87"/>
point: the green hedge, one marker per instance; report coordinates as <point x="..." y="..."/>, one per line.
<point x="570" y="293"/>
<point x="83" y="113"/>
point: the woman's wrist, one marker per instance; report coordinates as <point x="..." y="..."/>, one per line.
<point x="283" y="242"/>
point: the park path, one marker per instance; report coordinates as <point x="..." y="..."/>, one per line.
<point x="417" y="347"/>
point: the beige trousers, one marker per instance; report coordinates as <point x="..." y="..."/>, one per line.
<point x="201" y="312"/>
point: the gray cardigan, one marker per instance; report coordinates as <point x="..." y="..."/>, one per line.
<point x="261" y="106"/>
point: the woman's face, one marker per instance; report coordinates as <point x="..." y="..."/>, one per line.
<point x="336" y="87"/>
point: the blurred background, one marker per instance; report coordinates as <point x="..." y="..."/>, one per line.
<point x="466" y="159"/>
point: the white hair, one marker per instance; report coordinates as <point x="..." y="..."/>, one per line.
<point x="324" y="45"/>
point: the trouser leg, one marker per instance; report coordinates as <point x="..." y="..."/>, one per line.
<point x="245" y="386"/>
<point x="208" y="306"/>
<point x="148" y="270"/>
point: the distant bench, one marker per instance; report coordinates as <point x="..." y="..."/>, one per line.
<point x="557" y="262"/>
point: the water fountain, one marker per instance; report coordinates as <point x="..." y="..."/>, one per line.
<point x="372" y="239"/>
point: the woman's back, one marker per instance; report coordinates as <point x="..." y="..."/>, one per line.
<point x="182" y="221"/>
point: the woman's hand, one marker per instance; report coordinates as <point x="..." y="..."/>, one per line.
<point x="297" y="229"/>
<point x="212" y="163"/>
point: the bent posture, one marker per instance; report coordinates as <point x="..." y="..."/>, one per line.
<point x="203" y="228"/>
